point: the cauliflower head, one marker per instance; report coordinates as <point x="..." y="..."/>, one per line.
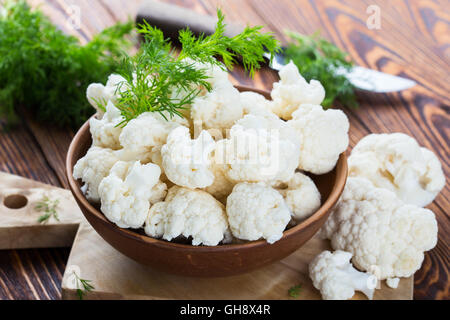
<point x="128" y="191"/>
<point x="293" y="90"/>
<point x="218" y="109"/>
<point x="257" y="155"/>
<point x="323" y="135"/>
<point x="396" y="162"/>
<point x="336" y="279"/>
<point x="105" y="132"/>
<point x="383" y="233"/>
<point x="189" y="213"/>
<point x="255" y="103"/>
<point x="301" y="196"/>
<point x="221" y="186"/>
<point x="92" y="168"/>
<point x="148" y="130"/>
<point x="257" y="211"/>
<point x="187" y="162"/>
<point x="98" y="93"/>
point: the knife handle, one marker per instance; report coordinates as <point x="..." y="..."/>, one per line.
<point x="172" y="18"/>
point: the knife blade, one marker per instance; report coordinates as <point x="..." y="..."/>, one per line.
<point x="172" y="18"/>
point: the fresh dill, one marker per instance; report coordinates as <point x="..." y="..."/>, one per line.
<point x="46" y="71"/>
<point x="49" y="207"/>
<point x="316" y="58"/>
<point x="294" y="291"/>
<point x="156" y="71"/>
<point x="83" y="286"/>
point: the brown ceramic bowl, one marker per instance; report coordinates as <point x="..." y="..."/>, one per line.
<point x="204" y="261"/>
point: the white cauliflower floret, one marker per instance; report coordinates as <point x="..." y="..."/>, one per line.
<point x="98" y="93"/>
<point x="301" y="195"/>
<point x="187" y="162"/>
<point x="323" y="135"/>
<point x="293" y="90"/>
<point x="216" y="74"/>
<point x="218" y="109"/>
<point x="148" y="130"/>
<point x="336" y="279"/>
<point x="255" y="103"/>
<point x="105" y="131"/>
<point x="257" y="211"/>
<point x="128" y="191"/>
<point x="396" y="162"/>
<point x="257" y="155"/>
<point x="381" y="232"/>
<point x="92" y="168"/>
<point x="222" y="186"/>
<point x="188" y="213"/>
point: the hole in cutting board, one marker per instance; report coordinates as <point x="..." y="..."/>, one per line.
<point x="15" y="201"/>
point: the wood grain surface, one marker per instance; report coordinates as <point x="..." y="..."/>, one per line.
<point x="413" y="42"/>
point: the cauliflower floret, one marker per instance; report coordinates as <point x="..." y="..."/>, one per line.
<point x="222" y="186"/>
<point x="293" y="90"/>
<point x="92" y="168"/>
<point x="257" y="156"/>
<point x="301" y="195"/>
<point x="218" y="109"/>
<point x="396" y="162"/>
<point x="98" y="93"/>
<point x="255" y="103"/>
<point x="336" y="279"/>
<point x="257" y="211"/>
<point x="148" y="130"/>
<point x="105" y="131"/>
<point x="381" y="232"/>
<point x="128" y="191"/>
<point x="188" y="213"/>
<point x="187" y="162"/>
<point x="323" y="135"/>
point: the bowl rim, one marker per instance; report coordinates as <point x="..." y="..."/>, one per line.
<point x="340" y="181"/>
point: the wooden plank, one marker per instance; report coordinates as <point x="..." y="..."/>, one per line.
<point x="93" y="259"/>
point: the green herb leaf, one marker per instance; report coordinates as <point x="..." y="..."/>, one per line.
<point x="318" y="59"/>
<point x="155" y="73"/>
<point x="47" y="72"/>
<point x="294" y="291"/>
<point x="83" y="286"/>
<point x="49" y="207"/>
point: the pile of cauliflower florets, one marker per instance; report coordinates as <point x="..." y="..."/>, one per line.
<point x="232" y="169"/>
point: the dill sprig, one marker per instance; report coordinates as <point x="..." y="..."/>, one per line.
<point x="49" y="207"/>
<point x="294" y="291"/>
<point x="46" y="71"/>
<point x="83" y="286"/>
<point x="316" y="58"/>
<point x="155" y="72"/>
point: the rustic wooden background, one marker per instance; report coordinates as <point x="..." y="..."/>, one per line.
<point x="414" y="41"/>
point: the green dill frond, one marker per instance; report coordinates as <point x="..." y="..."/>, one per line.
<point x="49" y="207"/>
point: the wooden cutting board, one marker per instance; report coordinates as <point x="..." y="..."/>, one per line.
<point x="115" y="276"/>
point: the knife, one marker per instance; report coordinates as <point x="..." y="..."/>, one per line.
<point x="172" y="18"/>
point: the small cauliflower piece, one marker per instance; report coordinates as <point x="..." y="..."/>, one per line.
<point x="128" y="191"/>
<point x="99" y="93"/>
<point x="301" y="195"/>
<point x="254" y="103"/>
<point x="383" y="233"/>
<point x="92" y="168"/>
<point x="106" y="131"/>
<point x="189" y="213"/>
<point x="336" y="279"/>
<point x="392" y="282"/>
<point x="221" y="186"/>
<point x="257" y="155"/>
<point x="218" y="109"/>
<point x="187" y="162"/>
<point x="293" y="90"/>
<point x="257" y="211"/>
<point x="396" y="162"/>
<point x="323" y="135"/>
<point x="148" y="130"/>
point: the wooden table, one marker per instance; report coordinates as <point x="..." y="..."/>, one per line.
<point x="414" y="41"/>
